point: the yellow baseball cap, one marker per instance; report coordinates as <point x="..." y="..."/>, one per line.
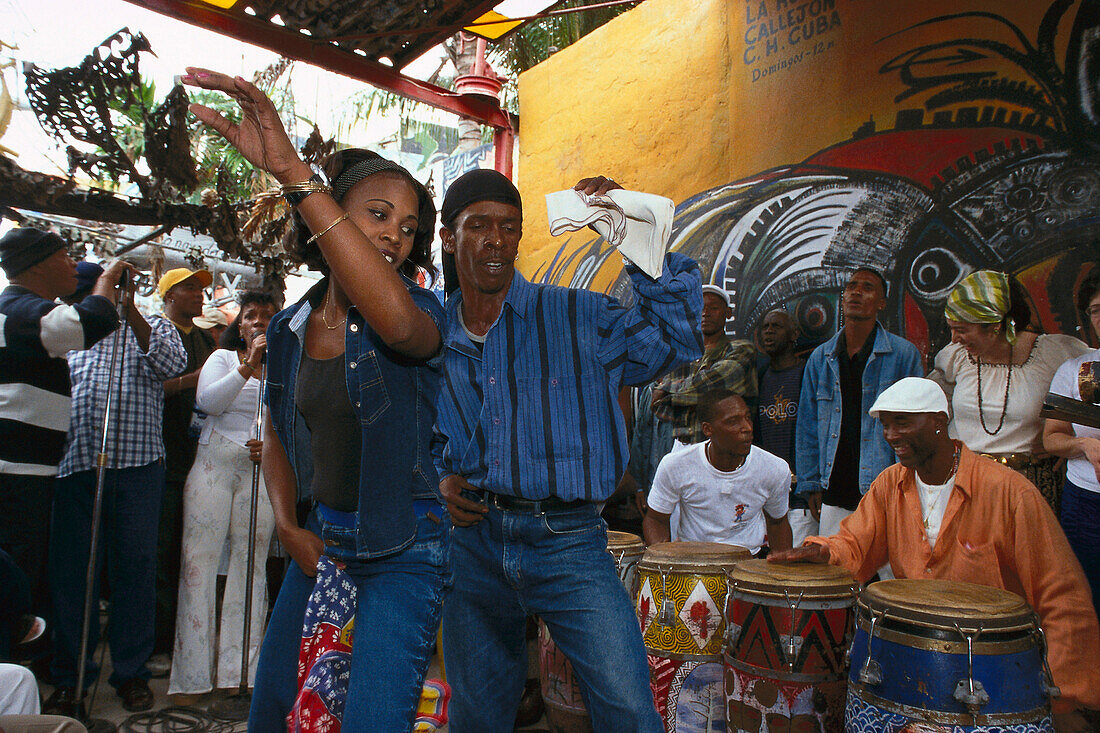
<point x="178" y="275"/>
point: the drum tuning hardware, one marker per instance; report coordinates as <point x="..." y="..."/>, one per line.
<point x="733" y="631"/>
<point x="667" y="615"/>
<point x="1051" y="689"/>
<point x="970" y="692"/>
<point x="733" y="634"/>
<point x="871" y="674"/>
<point x="792" y="643"/>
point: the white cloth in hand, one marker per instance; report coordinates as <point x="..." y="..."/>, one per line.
<point x="638" y="224"/>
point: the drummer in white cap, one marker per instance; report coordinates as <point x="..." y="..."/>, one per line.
<point x="944" y="512"/>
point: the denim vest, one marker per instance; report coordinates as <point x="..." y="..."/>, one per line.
<point x="393" y="397"/>
<point x="817" y="431"/>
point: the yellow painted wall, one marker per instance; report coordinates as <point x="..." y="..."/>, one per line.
<point x="825" y="76"/>
<point x="644" y="100"/>
<point x="676" y="97"/>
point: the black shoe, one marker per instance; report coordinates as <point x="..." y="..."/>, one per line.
<point x="136" y="695"/>
<point x="63" y="702"/>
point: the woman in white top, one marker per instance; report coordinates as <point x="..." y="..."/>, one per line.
<point x="216" y="504"/>
<point x="996" y="373"/>
<point x="1080" y="516"/>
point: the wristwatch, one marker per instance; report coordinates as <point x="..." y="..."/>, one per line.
<point x="296" y="197"/>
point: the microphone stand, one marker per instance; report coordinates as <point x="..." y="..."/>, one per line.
<point x="110" y="410"/>
<point x="236" y="706"/>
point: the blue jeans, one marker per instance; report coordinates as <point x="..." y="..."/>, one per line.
<point x="1080" y="519"/>
<point x="513" y="564"/>
<point x="399" y="599"/>
<point x="276" y="684"/>
<point x="128" y="543"/>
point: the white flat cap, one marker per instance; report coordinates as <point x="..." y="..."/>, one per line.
<point x="211" y="317"/>
<point x="721" y="293"/>
<point x="911" y="394"/>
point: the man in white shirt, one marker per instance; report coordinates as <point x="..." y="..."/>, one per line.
<point x="727" y="489"/>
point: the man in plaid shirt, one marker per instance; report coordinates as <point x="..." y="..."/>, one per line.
<point x="726" y="365"/>
<point x="131" y="506"/>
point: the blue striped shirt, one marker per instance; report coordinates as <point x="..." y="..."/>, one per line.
<point x="534" y="412"/>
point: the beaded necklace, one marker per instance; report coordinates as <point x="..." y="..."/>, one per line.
<point x="1008" y="384"/>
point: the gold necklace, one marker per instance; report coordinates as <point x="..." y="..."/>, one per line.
<point x="942" y="493"/>
<point x="324" y="307"/>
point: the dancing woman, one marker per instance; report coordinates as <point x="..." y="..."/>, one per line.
<point x="352" y="379"/>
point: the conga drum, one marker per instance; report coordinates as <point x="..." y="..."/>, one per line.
<point x="932" y="655"/>
<point x="681" y="609"/>
<point x="561" y="693"/>
<point x="788" y="627"/>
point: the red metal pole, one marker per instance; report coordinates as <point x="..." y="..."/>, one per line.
<point x="504" y="140"/>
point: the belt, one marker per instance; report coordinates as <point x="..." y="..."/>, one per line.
<point x="1016" y="461"/>
<point x="507" y="503"/>
<point x="429" y="508"/>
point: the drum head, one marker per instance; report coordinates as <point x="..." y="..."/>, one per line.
<point x="944" y="603"/>
<point x="809" y="580"/>
<point x="624" y="542"/>
<point x="693" y="556"/>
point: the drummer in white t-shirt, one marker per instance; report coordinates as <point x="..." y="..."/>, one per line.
<point x="726" y="489"/>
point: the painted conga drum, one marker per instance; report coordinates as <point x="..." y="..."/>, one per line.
<point x="936" y="655"/>
<point x="681" y="609"/>
<point x="565" y="710"/>
<point x="788" y="628"/>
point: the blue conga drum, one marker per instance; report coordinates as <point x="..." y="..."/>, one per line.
<point x="937" y="655"/>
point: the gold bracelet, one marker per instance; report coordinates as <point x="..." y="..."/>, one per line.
<point x="296" y="193"/>
<point x="308" y="185"/>
<point x="324" y="231"/>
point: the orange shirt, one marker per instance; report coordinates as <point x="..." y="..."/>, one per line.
<point x="997" y="530"/>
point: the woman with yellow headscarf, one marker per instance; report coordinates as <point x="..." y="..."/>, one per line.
<point x="996" y="372"/>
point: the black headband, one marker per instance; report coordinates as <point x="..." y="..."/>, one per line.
<point x="361" y="170"/>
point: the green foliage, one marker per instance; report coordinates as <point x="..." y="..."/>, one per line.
<point x="534" y="42"/>
<point x="239" y="181"/>
<point x="128" y="118"/>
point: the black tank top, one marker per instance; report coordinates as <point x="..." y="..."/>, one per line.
<point x="321" y="396"/>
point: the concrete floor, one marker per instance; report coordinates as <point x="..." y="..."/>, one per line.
<point x="104" y="704"/>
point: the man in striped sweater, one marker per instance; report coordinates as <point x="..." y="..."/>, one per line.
<point x="35" y="334"/>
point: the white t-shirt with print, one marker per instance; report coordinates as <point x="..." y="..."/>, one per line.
<point x="1078" y="469"/>
<point x="721" y="506"/>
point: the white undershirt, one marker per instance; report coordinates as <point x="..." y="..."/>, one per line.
<point x="933" y="503"/>
<point x="470" y="334"/>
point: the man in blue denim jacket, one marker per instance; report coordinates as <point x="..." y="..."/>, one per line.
<point x="531" y="438"/>
<point x="839" y="448"/>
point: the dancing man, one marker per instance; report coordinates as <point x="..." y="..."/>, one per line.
<point x="531" y="440"/>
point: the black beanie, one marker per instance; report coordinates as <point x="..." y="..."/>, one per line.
<point x="26" y="247"/>
<point x="481" y="184"/>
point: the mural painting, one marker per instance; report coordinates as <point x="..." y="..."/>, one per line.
<point x="991" y="160"/>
